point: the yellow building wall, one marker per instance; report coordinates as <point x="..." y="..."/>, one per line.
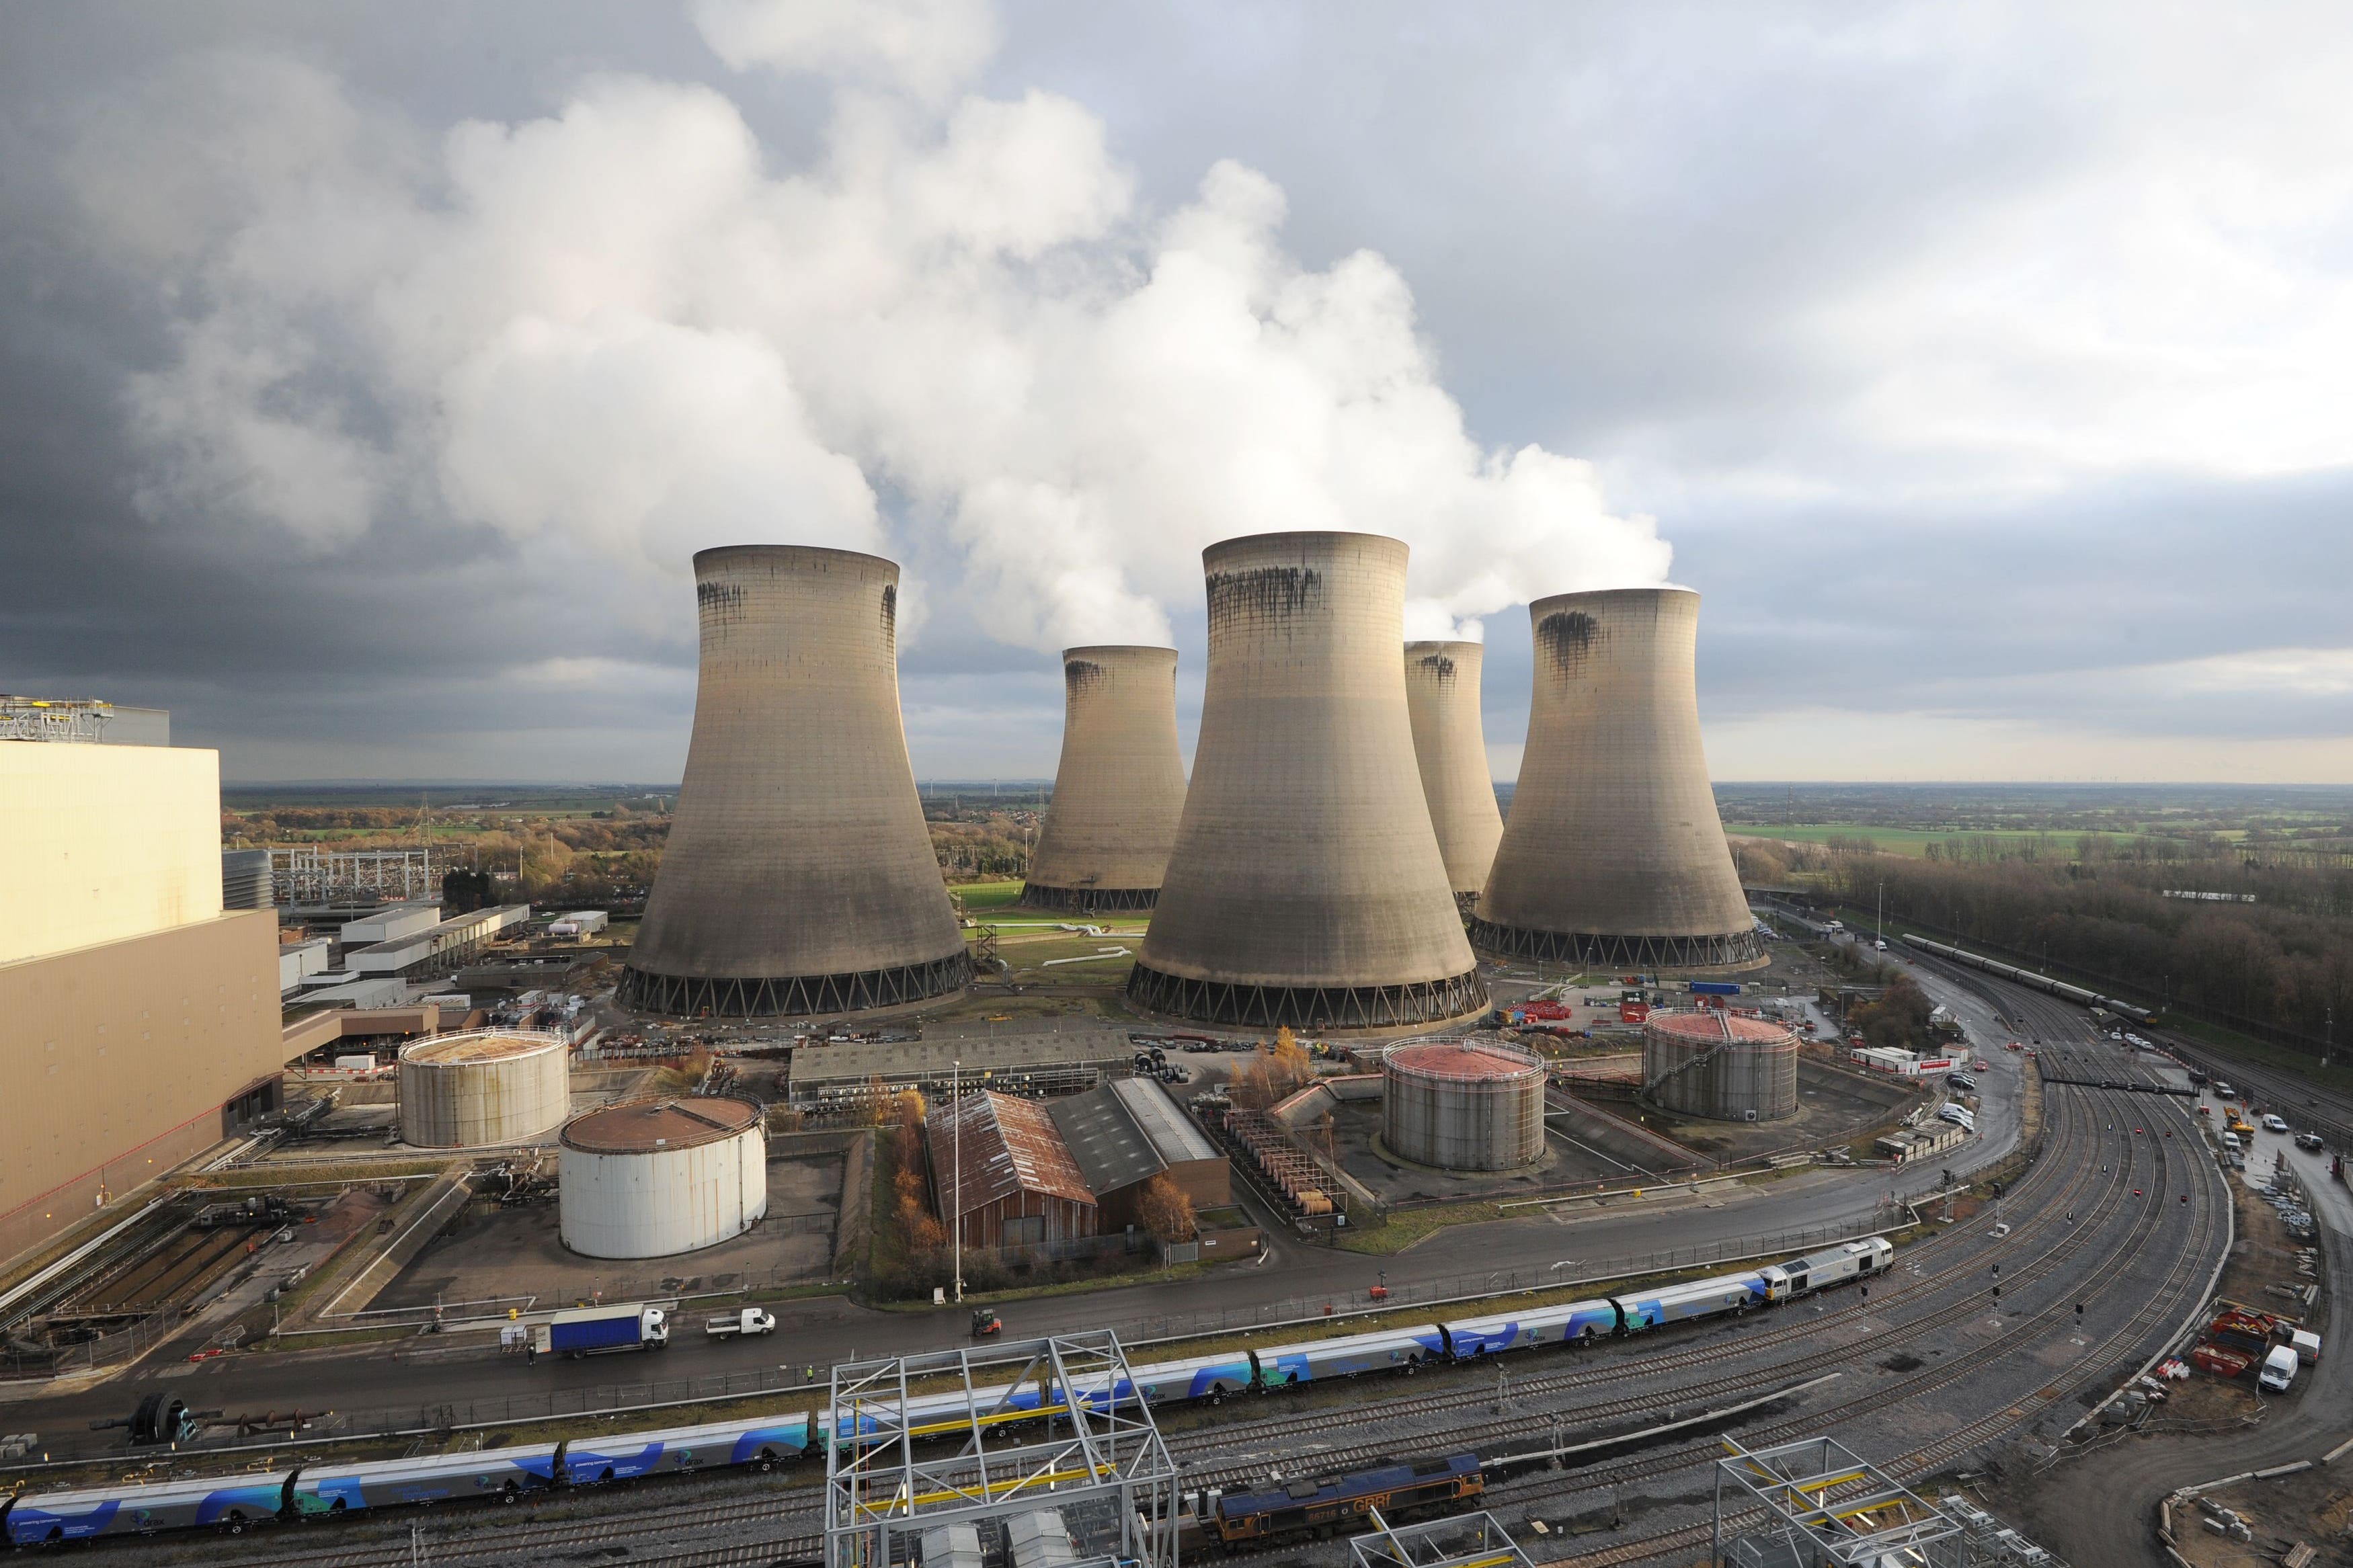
<point x="116" y="1061"/>
<point x="103" y="843"/>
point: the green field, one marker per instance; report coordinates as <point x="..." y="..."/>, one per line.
<point x="1912" y="841"/>
<point x="979" y="896"/>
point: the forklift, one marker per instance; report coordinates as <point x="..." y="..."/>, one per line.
<point x="986" y="1323"/>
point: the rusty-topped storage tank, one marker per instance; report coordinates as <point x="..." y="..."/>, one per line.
<point x="1120" y="788"/>
<point x="1614" y="854"/>
<point x="1306" y="886"/>
<point x="484" y="1086"/>
<point x="1463" y="1105"/>
<point x="648" y="1178"/>
<point x="798" y="877"/>
<point x="1711" y="1063"/>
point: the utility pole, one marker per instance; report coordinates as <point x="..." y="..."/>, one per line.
<point x="956" y="1203"/>
<point x="1879" y="929"/>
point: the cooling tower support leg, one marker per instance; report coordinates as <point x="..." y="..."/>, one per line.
<point x="1307" y="1006"/>
<point x="1087" y="900"/>
<point x="1733" y="949"/>
<point x="793" y="995"/>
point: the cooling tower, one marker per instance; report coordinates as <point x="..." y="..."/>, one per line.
<point x="1614" y="854"/>
<point x="1306" y="886"/>
<point x="1441" y="693"/>
<point x="1120" y="786"/>
<point x="799" y="877"/>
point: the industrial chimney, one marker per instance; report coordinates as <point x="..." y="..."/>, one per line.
<point x="799" y="877"/>
<point x="1306" y="886"/>
<point x="1614" y="854"/>
<point x="1441" y="693"/>
<point x="1120" y="786"/>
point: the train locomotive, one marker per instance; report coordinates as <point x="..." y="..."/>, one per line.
<point x="2031" y="981"/>
<point x="305" y="1492"/>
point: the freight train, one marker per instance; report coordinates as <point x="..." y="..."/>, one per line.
<point x="2030" y="980"/>
<point x="304" y="1491"/>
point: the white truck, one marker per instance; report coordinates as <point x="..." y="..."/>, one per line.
<point x="748" y="1322"/>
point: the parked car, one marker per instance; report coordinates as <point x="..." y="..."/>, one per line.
<point x="2274" y="1122"/>
<point x="2312" y="1141"/>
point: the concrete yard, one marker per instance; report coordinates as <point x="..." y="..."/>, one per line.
<point x="492" y="1254"/>
<point x="1834" y="1106"/>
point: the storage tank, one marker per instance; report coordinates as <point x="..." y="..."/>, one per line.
<point x="1441" y="694"/>
<point x="1305" y="886"/>
<point x="1120" y="788"/>
<point x="1614" y="856"/>
<point x="652" y="1177"/>
<point x="484" y="1086"/>
<point x="1720" y="1065"/>
<point x="798" y="877"/>
<point x="1463" y="1105"/>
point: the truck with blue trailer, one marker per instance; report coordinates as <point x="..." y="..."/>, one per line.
<point x="593" y="1331"/>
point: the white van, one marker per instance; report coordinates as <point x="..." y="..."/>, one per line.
<point x="2279" y="1369"/>
<point x="2274" y="1123"/>
<point x="2230" y="1141"/>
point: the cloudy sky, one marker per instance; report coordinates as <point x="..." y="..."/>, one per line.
<point x="368" y="374"/>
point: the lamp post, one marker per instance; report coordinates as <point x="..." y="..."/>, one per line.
<point x="956" y="1203"/>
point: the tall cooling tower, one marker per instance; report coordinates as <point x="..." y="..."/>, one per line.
<point x="1306" y="886"/>
<point x="1441" y="693"/>
<point x="799" y="877"/>
<point x="1120" y="786"/>
<point x="1614" y="854"/>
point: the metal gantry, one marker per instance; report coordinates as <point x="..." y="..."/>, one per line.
<point x="1035" y="1441"/>
<point x="1464" y="1541"/>
<point x="81" y="720"/>
<point x="1831" y="1508"/>
<point x="307" y="874"/>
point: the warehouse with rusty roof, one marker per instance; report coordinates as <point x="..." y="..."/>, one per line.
<point x="1004" y="1176"/>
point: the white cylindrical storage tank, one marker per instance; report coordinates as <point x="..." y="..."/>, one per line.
<point x="654" y="1177"/>
<point x="484" y="1086"/>
<point x="1463" y="1105"/>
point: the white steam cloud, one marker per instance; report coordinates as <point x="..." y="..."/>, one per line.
<point x="619" y="332"/>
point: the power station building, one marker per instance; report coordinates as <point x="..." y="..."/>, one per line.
<point x="1119" y="791"/>
<point x="140" y="1018"/>
<point x="1441" y="695"/>
<point x="1306" y="886"/>
<point x="798" y="877"/>
<point x="1463" y="1105"/>
<point x="1614" y="854"/>
<point x="1720" y="1065"/>
<point x="656" y="1178"/>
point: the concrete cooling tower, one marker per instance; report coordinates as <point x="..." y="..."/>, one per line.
<point x="1306" y="886"/>
<point x="799" y="877"/>
<point x="1614" y="854"/>
<point x="1441" y="693"/>
<point x="1120" y="786"/>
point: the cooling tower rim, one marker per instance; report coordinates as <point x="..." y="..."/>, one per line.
<point x="1537" y="608"/>
<point x="720" y="556"/>
<point x="1250" y="544"/>
<point x="1453" y="647"/>
<point x="1117" y="649"/>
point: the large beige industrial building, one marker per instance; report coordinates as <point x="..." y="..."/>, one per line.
<point x="1306" y="886"/>
<point x="798" y="877"/>
<point x="140" y="1020"/>
<point x="1614" y="854"/>
<point x="1119" y="791"/>
<point x="1441" y="694"/>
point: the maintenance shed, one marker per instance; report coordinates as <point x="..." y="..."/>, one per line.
<point x="1004" y="1176"/>
<point x="1127" y="1132"/>
<point x="1042" y="1063"/>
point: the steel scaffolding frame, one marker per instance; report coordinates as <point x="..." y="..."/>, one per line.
<point x="1306" y="1006"/>
<point x="1078" y="1451"/>
<point x="1831" y="1508"/>
<point x="1464" y="1541"/>
<point x="1086" y="900"/>
<point x="73" y="719"/>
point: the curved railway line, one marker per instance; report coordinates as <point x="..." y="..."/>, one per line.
<point x="1941" y="1282"/>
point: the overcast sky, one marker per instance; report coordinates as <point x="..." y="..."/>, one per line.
<point x="368" y="374"/>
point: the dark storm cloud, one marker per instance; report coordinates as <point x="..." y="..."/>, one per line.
<point x="1963" y="391"/>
